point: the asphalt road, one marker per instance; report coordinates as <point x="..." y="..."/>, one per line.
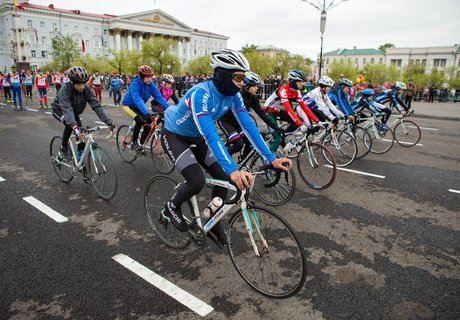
<point x="377" y="248"/>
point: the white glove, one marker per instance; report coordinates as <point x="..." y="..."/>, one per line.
<point x="303" y="128"/>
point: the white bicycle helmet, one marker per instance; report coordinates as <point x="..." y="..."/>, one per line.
<point x="252" y="79"/>
<point x="400" y="85"/>
<point x="296" y="75"/>
<point x="168" y="78"/>
<point x="345" y="82"/>
<point x="326" y="81"/>
<point x="229" y="59"/>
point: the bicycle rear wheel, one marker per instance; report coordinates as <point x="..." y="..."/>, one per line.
<point x="363" y="141"/>
<point x="102" y="172"/>
<point x="313" y="163"/>
<point x="124" y="139"/>
<point x="381" y="141"/>
<point x="63" y="169"/>
<point x="407" y="133"/>
<point x="275" y="195"/>
<point x="280" y="270"/>
<point x="161" y="160"/>
<point x="342" y="145"/>
<point x="159" y="190"/>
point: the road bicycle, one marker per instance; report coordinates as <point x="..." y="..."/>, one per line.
<point x="152" y="144"/>
<point x="262" y="246"/>
<point x="382" y="135"/>
<point x="94" y="164"/>
<point x="315" y="162"/>
<point x="406" y="132"/>
<point x="362" y="138"/>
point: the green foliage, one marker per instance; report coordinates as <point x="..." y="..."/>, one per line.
<point x="454" y="82"/>
<point x="285" y="62"/>
<point x="260" y="64"/>
<point x="93" y="64"/>
<point x="435" y="78"/>
<point x="201" y="65"/>
<point x="385" y="46"/>
<point x="347" y="68"/>
<point x="118" y="62"/>
<point x="380" y="73"/>
<point x="156" y="52"/>
<point x="249" y="49"/>
<point x="64" y="52"/>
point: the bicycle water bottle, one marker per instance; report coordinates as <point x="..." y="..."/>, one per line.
<point x="215" y="204"/>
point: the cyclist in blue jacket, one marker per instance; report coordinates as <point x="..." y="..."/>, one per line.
<point x="392" y="96"/>
<point x="366" y="101"/>
<point x="191" y="123"/>
<point x="339" y="97"/>
<point x="140" y="91"/>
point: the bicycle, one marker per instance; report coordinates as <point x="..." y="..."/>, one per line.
<point x="382" y="140"/>
<point x="362" y="138"/>
<point x="406" y="132"/>
<point x="152" y="143"/>
<point x="319" y="169"/>
<point x="262" y="246"/>
<point x="94" y="164"/>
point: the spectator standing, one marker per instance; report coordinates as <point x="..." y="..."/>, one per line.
<point x="409" y="93"/>
<point x="115" y="84"/>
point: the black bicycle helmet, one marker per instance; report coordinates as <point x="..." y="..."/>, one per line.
<point x="78" y="75"/>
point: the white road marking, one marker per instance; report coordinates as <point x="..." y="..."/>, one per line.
<point x="423" y="128"/>
<point x="56" y="216"/>
<point x="359" y="172"/>
<point x="1" y="179"/>
<point x="164" y="285"/>
<point x="32" y="109"/>
<point x="100" y="122"/>
<point x="48" y="112"/>
<point x="417" y="144"/>
<point x="454" y="191"/>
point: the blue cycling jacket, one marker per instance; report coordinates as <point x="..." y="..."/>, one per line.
<point x="393" y="96"/>
<point x="194" y="116"/>
<point x="340" y="99"/>
<point x="139" y="93"/>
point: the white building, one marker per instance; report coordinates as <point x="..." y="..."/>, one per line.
<point x="25" y="35"/>
<point x="358" y="57"/>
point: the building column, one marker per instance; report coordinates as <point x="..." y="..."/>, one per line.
<point x="180" y="49"/>
<point x="130" y="40"/>
<point x="117" y="39"/>
<point x="140" y="38"/>
<point x="187" y="50"/>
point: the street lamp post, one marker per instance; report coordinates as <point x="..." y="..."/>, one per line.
<point x="322" y="24"/>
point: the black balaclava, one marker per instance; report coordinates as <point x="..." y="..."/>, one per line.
<point x="293" y="84"/>
<point x="222" y="79"/>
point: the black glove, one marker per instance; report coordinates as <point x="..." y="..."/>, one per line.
<point x="280" y="131"/>
<point x="110" y="125"/>
<point x="335" y="121"/>
<point x="147" y="120"/>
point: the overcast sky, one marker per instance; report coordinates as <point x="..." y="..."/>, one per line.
<point x="294" y="25"/>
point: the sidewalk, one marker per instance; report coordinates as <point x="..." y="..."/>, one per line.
<point x="439" y="110"/>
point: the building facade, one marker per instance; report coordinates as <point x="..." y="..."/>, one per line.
<point x="26" y="34"/>
<point x="358" y="57"/>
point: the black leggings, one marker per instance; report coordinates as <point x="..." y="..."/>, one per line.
<point x="188" y="160"/>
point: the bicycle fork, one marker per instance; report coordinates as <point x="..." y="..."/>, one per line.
<point x="248" y="216"/>
<point x="93" y="152"/>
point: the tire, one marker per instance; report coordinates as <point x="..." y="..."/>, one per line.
<point x="381" y="143"/>
<point x="160" y="158"/>
<point x="63" y="169"/>
<point x="278" y="194"/>
<point x="102" y="172"/>
<point x="363" y="141"/>
<point x="280" y="270"/>
<point x="160" y="189"/>
<point x="407" y="133"/>
<point x="313" y="164"/>
<point x="124" y="140"/>
<point x="343" y="147"/>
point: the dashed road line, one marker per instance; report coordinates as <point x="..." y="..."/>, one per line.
<point x="164" y="285"/>
<point x="32" y="109"/>
<point x="359" y="172"/>
<point x="56" y="216"/>
<point x="424" y="128"/>
<point x="1" y="179"/>
<point x="454" y="191"/>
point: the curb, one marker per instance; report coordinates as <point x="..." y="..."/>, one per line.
<point x="418" y="115"/>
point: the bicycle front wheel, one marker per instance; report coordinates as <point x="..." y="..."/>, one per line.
<point x="274" y="264"/>
<point x="102" y="172"/>
<point x="407" y="133"/>
<point x="124" y="139"/>
<point x="160" y="159"/>
<point x="62" y="167"/>
<point x="159" y="190"/>
<point x="342" y="145"/>
<point x="275" y="195"/>
<point x="314" y="165"/>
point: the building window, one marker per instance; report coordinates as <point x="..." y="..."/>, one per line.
<point x="396" y="62"/>
<point x="423" y="62"/>
<point x="75" y="28"/>
<point x="86" y="29"/>
<point x="327" y="61"/>
<point x="29" y="23"/>
<point x="32" y="38"/>
<point x="372" y="60"/>
<point x="86" y="44"/>
<point x="356" y="61"/>
<point x="96" y="43"/>
<point x="54" y="26"/>
<point x="96" y="30"/>
<point x="380" y="60"/>
<point x="105" y="32"/>
<point x="33" y="53"/>
<point x="42" y="24"/>
<point x="364" y="60"/>
<point x="417" y="62"/>
<point x="44" y="54"/>
<point x="439" y="63"/>
<point x="66" y="27"/>
<point x="43" y="40"/>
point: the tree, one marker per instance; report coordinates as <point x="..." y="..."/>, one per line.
<point x="261" y="65"/>
<point x="385" y="46"/>
<point x="285" y="62"/>
<point x="156" y="52"/>
<point x="347" y="68"/>
<point x="380" y="73"/>
<point x="249" y="49"/>
<point x="119" y="60"/>
<point x="201" y="65"/>
<point x="64" y="51"/>
<point x="93" y="64"/>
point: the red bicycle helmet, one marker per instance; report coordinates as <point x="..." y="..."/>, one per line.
<point x="145" y="71"/>
<point x="78" y="75"/>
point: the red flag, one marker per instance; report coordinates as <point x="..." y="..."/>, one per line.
<point x="18" y="5"/>
<point x="82" y="45"/>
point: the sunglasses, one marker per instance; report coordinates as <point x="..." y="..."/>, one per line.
<point x="238" y="77"/>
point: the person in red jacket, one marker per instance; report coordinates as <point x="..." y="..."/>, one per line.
<point x="41" y="84"/>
